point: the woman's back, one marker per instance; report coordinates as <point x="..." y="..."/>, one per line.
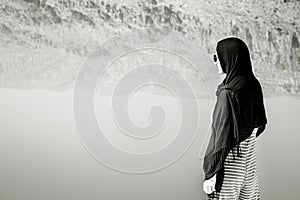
<point x="238" y="111"/>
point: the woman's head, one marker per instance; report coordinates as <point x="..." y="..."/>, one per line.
<point x="234" y="58"/>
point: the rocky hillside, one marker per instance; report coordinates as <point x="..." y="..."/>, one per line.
<point x="44" y="42"/>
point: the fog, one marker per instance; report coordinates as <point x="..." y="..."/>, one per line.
<point x="42" y="156"/>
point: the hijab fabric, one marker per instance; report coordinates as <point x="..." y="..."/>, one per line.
<point x="238" y="110"/>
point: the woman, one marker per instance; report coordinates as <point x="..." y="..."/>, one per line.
<point x="238" y="118"/>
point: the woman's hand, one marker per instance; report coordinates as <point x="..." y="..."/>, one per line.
<point x="209" y="185"/>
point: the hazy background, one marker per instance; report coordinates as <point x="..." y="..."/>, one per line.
<point x="42" y="157"/>
<point x="42" y="47"/>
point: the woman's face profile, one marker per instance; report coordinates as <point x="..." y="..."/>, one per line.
<point x="217" y="62"/>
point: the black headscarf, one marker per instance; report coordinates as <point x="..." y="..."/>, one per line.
<point x="238" y="110"/>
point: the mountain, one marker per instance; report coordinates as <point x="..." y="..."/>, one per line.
<point x="44" y="43"/>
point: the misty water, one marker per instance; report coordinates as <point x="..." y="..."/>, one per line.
<point x="42" y="156"/>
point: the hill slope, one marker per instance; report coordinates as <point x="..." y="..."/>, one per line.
<point x="44" y="42"/>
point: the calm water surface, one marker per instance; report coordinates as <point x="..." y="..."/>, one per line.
<point x="42" y="157"/>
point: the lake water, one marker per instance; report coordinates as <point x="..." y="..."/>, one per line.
<point x="42" y="156"/>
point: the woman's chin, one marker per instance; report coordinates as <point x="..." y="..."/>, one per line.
<point x="222" y="75"/>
